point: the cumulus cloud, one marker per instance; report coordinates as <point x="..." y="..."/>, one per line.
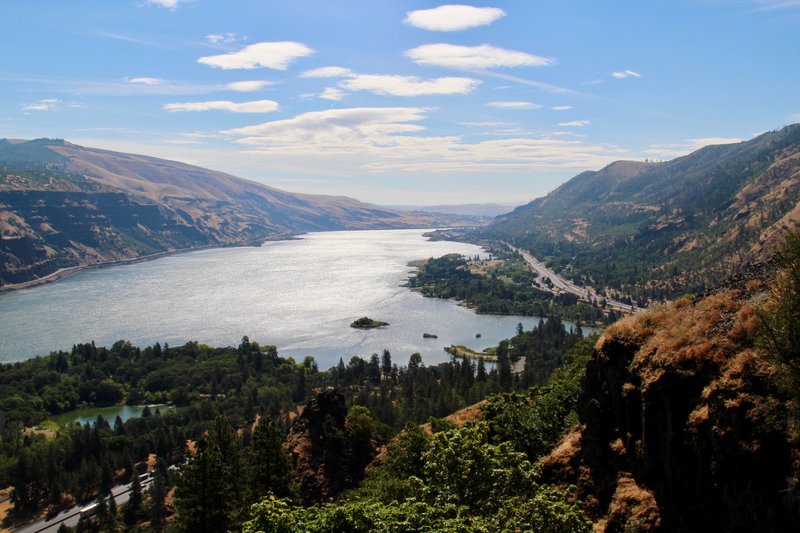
<point x="561" y="108"/>
<point x="575" y="123"/>
<point x="327" y="72"/>
<point x="247" y="86"/>
<point x="48" y="104"/>
<point x="273" y="55"/>
<point x="146" y="81"/>
<point x="409" y="85"/>
<point x="472" y="57"/>
<point x="256" y="106"/>
<point x="453" y="17"/>
<point x="626" y="74"/>
<point x="514" y="105"/>
<point x="687" y="146"/>
<point x="332" y="93"/>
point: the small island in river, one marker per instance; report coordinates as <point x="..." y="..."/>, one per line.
<point x="367" y="323"/>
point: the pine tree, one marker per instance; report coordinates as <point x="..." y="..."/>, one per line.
<point x="158" y="508"/>
<point x="133" y="509"/>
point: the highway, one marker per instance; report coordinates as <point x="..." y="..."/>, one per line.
<point x="564" y="285"/>
<point x="70" y="516"/>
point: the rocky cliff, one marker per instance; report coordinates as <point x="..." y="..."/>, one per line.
<point x="324" y="462"/>
<point x="682" y="427"/>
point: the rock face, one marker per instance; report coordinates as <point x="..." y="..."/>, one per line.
<point x="319" y="441"/>
<point x="681" y="427"/>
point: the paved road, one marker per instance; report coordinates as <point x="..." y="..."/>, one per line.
<point x="564" y="285"/>
<point x="70" y="517"/>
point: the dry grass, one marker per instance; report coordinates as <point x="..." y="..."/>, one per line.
<point x="633" y="506"/>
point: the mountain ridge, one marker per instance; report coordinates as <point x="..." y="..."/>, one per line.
<point x="64" y="205"/>
<point x="656" y="230"/>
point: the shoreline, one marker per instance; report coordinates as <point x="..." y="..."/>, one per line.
<point x="63" y="273"/>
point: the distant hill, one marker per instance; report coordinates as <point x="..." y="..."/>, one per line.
<point x="479" y="210"/>
<point x="660" y="229"/>
<point x="64" y="205"/>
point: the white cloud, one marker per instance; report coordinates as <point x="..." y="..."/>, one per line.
<point x="453" y="17"/>
<point x="771" y="5"/>
<point x="575" y="123"/>
<point x="471" y="57"/>
<point x="48" y="104"/>
<point x="256" y="106"/>
<point x="322" y="123"/>
<point x="169" y="4"/>
<point x="794" y="117"/>
<point x="514" y="105"/>
<point x="146" y="81"/>
<point x="486" y="123"/>
<point x="409" y="85"/>
<point x="332" y="93"/>
<point x="273" y="55"/>
<point x="626" y="74"/>
<point x="222" y="38"/>
<point x="391" y="140"/>
<point x="327" y="72"/>
<point x="561" y="107"/>
<point x="247" y="86"/>
<point x="666" y="151"/>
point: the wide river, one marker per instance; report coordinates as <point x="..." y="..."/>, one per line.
<point x="300" y="295"/>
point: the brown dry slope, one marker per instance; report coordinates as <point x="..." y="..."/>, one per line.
<point x="682" y="427"/>
<point x="63" y="205"/>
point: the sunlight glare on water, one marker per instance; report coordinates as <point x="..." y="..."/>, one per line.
<point x="300" y="295"/>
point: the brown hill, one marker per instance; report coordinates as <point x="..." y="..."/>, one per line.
<point x="63" y="205"/>
<point x="656" y="230"/>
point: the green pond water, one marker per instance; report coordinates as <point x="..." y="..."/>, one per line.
<point x="90" y="414"/>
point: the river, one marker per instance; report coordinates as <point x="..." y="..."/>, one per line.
<point x="300" y="295"/>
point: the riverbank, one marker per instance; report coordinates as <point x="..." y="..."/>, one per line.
<point x="62" y="273"/>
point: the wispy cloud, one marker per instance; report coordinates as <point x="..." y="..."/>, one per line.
<point x="453" y="17"/>
<point x="473" y="57"/>
<point x="223" y="38"/>
<point x="272" y="55"/>
<point x="622" y="74"/>
<point x="514" y="105"/>
<point x="409" y="85"/>
<point x="332" y="93"/>
<point x="247" y="86"/>
<point x="168" y="4"/>
<point x="48" y="104"/>
<point x="327" y="72"/>
<point x="146" y="81"/>
<point x="392" y="140"/>
<point x="774" y="5"/>
<point x="575" y="123"/>
<point x="561" y="107"/>
<point x="256" y="106"/>
<point x="687" y="146"/>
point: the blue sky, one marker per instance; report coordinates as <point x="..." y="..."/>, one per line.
<point x="399" y="102"/>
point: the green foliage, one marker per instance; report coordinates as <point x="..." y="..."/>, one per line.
<point x="779" y="336"/>
<point x="463" y="468"/>
<point x="533" y="422"/>
<point x="225" y="476"/>
<point x="504" y="292"/>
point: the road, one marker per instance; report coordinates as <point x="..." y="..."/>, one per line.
<point x="564" y="285"/>
<point x="70" y="517"/>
